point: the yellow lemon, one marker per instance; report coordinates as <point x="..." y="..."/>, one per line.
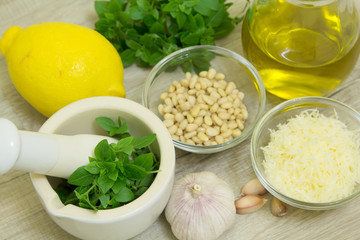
<point x="54" y="64"/>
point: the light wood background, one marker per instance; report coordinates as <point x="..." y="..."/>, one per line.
<point x="22" y="216"/>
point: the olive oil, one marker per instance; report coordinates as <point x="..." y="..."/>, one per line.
<point x="299" y="50"/>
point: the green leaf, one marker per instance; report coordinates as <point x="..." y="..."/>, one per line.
<point x="116" y="6"/>
<point x="124" y="195"/>
<point x="125" y="145"/>
<point x="106" y="123"/>
<point x="101" y="7"/>
<point x="105" y="183"/>
<point x="128" y="57"/>
<point x="103" y="151"/>
<point x="104" y="199"/>
<point x="180" y="19"/>
<point x="81" y="177"/>
<point x="142" y="142"/>
<point x="140" y="191"/>
<point x="134" y="172"/>
<point x="92" y="168"/>
<point x="145" y="161"/>
<point x="113" y="175"/>
<point x="119" y="130"/>
<point x="119" y="183"/>
<point x="216" y="19"/>
<point x="172" y="6"/>
<point x="144" y="4"/>
<point x="206" y="7"/>
<point x="136" y="13"/>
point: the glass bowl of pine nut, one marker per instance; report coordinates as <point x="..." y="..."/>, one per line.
<point x="210" y="98"/>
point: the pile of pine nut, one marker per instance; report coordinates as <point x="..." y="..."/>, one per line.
<point x="203" y="110"/>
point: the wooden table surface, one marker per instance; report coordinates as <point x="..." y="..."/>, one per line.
<point x="22" y="216"/>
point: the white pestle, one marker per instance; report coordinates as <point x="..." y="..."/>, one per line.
<point x="48" y="154"/>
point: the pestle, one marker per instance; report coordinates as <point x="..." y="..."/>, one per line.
<point x="49" y="154"/>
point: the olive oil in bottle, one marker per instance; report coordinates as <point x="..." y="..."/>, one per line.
<point x="301" y="50"/>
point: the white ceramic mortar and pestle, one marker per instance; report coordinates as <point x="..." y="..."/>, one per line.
<point x="50" y="154"/>
<point x="131" y="219"/>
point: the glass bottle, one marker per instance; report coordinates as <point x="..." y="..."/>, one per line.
<point x="302" y="47"/>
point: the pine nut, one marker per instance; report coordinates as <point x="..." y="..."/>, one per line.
<point x="190" y="134"/>
<point x="211" y="73"/>
<point x="172" y="129"/>
<point x="219" y="76"/>
<point x="203" y="73"/>
<point x="208" y="121"/>
<point x="203" y="110"/>
<point x="202" y="136"/>
<point x="217" y="120"/>
<point x="168" y="122"/>
<point x="183" y="124"/>
<point x="163" y="96"/>
<point x="195" y="110"/>
<point x="212" y="132"/>
<point x="207" y="100"/>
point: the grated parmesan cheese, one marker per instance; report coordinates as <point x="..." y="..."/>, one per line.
<point x="313" y="158"/>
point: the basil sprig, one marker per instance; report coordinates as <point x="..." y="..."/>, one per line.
<point x="117" y="174"/>
<point x="145" y="31"/>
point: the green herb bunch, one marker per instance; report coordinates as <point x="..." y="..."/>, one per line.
<point x="145" y="31"/>
<point x="119" y="173"/>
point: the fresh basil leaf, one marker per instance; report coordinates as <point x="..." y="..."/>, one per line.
<point x="119" y="183"/>
<point x="105" y="123"/>
<point x="103" y="151"/>
<point x="115" y="6"/>
<point x="145" y="161"/>
<point x="124" y="195"/>
<point x="136" y="13"/>
<point x="119" y="130"/>
<point x="140" y="191"/>
<point x="134" y="172"/>
<point x="128" y="57"/>
<point x="104" y="199"/>
<point x="81" y="177"/>
<point x="113" y="175"/>
<point x="142" y="142"/>
<point x="101" y="7"/>
<point x="92" y="168"/>
<point x="104" y="183"/>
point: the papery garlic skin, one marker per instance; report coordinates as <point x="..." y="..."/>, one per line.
<point x="201" y="206"/>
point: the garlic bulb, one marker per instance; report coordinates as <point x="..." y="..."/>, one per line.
<point x="201" y="206"/>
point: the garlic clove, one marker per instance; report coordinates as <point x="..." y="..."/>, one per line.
<point x="278" y="208"/>
<point x="249" y="204"/>
<point x="252" y="187"/>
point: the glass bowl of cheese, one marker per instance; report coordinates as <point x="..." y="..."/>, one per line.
<point x="305" y="152"/>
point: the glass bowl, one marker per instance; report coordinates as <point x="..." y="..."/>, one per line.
<point x="279" y="115"/>
<point x="198" y="58"/>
